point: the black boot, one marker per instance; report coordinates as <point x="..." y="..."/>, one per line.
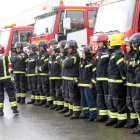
<point x="15" y="111"/>
<point x="136" y="130"/>
<point x="120" y="124"/>
<point x="53" y="107"/>
<point x="133" y="124"/>
<point x="111" y="122"/>
<point x="49" y="103"/>
<point x="31" y="102"/>
<point x="58" y="108"/>
<point x="18" y="100"/>
<point x="91" y="119"/>
<point x="22" y="101"/>
<point x="46" y="105"/>
<point x="74" y="116"/>
<point x="69" y="113"/>
<point x="101" y="118"/>
<point x="1" y="112"/>
<point x="40" y="104"/>
<point x="82" y="117"/>
<point x="64" y="110"/>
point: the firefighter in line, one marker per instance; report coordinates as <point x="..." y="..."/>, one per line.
<point x="64" y="52"/>
<point x="5" y="82"/>
<point x="131" y="82"/>
<point x="32" y="76"/>
<point x="72" y="63"/>
<point x="55" y="78"/>
<point x="52" y="42"/>
<point x="87" y="84"/>
<point x="116" y="79"/>
<point x="43" y="76"/>
<point x="102" y="61"/>
<point x="18" y="68"/>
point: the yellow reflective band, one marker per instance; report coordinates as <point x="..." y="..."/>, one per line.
<point x="40" y="69"/>
<point x="9" y="59"/>
<point x="93" y="81"/>
<point x="57" y="57"/>
<point x="108" y="112"/>
<point x="11" y="69"/>
<point x="74" y="59"/>
<point x="49" y="98"/>
<point x="44" y="74"/>
<point x="26" y="60"/>
<point x="103" y="112"/>
<point x="113" y="115"/>
<point x="92" y="109"/>
<point x="120" y="60"/>
<point x="102" y="79"/>
<point x="83" y="85"/>
<point x="76" y="108"/>
<point x="43" y="57"/>
<point x="60" y="102"/>
<point x="26" y="69"/>
<point x="13" y="103"/>
<point x="37" y="97"/>
<point x="94" y="69"/>
<point x="97" y="57"/>
<point x="122" y="116"/>
<point x="70" y="106"/>
<point x="113" y="56"/>
<point x="66" y="104"/>
<point x="124" y="78"/>
<point x="31" y="75"/>
<point x="32" y="97"/>
<point x="63" y="77"/>
<point x="85" y="108"/>
<point x="4" y="66"/>
<point x="23" y="94"/>
<point x="18" y="94"/>
<point x="55" y="102"/>
<point x="46" y="60"/>
<point x="32" y="60"/>
<point x="55" y="62"/>
<point x="6" y="77"/>
<point x="42" y="97"/>
<point x="132" y="85"/>
<point x="132" y="62"/>
<point x="1" y="105"/>
<point x="70" y="78"/>
<point x="81" y="65"/>
<point x="133" y="116"/>
<point x="86" y="66"/>
<point x="115" y="81"/>
<point x="105" y="56"/>
<point x="54" y="78"/>
<point x="50" y="62"/>
<point x="19" y="72"/>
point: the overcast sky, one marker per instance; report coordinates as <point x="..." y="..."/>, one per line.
<point x="11" y="7"/>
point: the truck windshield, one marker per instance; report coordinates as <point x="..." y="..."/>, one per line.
<point x="116" y="16"/>
<point x="43" y="23"/>
<point x="4" y="37"/>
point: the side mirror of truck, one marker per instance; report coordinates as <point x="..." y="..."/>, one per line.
<point x="46" y="30"/>
<point x="28" y="34"/>
<point x="67" y="23"/>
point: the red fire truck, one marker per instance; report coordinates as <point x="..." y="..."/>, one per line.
<point x="65" y="22"/>
<point x="11" y="34"/>
<point x="117" y="16"/>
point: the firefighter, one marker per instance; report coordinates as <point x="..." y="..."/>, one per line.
<point x="102" y="61"/>
<point x="52" y="42"/>
<point x="116" y="79"/>
<point x="5" y="82"/>
<point x="32" y="76"/>
<point x="135" y="39"/>
<point x="64" y="52"/>
<point x="18" y="68"/>
<point x="43" y="76"/>
<point x="55" y="78"/>
<point x="72" y="63"/>
<point x="87" y="84"/>
<point x="131" y="82"/>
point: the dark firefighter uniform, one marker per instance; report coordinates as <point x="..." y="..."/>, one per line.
<point x="116" y="78"/>
<point x="65" y="54"/>
<point x="88" y="96"/>
<point x="5" y="82"/>
<point x="32" y="76"/>
<point x="72" y="63"/>
<point x="18" y="68"/>
<point x="55" y="79"/>
<point x="43" y="77"/>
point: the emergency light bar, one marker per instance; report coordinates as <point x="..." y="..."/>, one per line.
<point x="9" y="26"/>
<point x="96" y="3"/>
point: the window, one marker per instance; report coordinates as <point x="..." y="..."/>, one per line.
<point x="77" y="20"/>
<point x="91" y="19"/>
<point x="61" y="22"/>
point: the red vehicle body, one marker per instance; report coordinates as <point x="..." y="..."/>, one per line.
<point x="119" y="17"/>
<point x="78" y="24"/>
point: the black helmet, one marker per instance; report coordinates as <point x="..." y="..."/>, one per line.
<point x="33" y="46"/>
<point x="43" y="43"/>
<point x="18" y="45"/>
<point x="88" y="51"/>
<point x="135" y="39"/>
<point x="71" y="44"/>
<point x="62" y="44"/>
<point x="53" y="42"/>
<point x="54" y="47"/>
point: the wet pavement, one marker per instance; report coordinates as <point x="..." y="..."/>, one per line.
<point x="38" y="123"/>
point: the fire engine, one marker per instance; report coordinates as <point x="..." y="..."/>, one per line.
<point x="65" y="23"/>
<point x="117" y="16"/>
<point x="11" y="34"/>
